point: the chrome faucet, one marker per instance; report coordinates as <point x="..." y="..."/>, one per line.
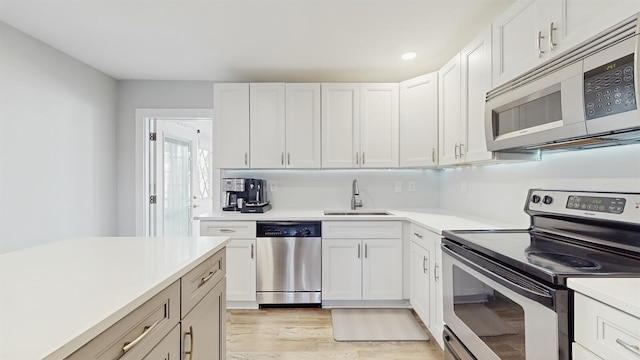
<point x="355" y="203"/>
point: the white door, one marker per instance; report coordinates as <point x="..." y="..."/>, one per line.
<point x="340" y="125"/>
<point x="181" y="177"/>
<point x="267" y="125"/>
<point x="341" y="269"/>
<point x="419" y="121"/>
<point x="379" y="125"/>
<point x="449" y="112"/>
<point x="475" y="67"/>
<point x="382" y="269"/>
<point x="231" y="112"/>
<point x="303" y="126"/>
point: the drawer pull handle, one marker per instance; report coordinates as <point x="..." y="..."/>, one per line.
<point x="190" y="352"/>
<point x="418" y="235"/>
<point x="147" y="329"/>
<point x="227" y="230"/>
<point x="207" y="278"/>
<point x="635" y="349"/>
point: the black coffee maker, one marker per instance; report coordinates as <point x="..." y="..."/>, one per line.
<point x="257" y="202"/>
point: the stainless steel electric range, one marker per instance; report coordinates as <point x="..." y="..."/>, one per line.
<point x="505" y="291"/>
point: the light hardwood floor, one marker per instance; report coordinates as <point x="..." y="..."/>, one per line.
<point x="305" y="334"/>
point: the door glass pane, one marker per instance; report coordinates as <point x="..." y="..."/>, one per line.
<point x="493" y="317"/>
<point x="177" y="187"/>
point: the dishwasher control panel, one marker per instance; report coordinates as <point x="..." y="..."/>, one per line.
<point x="289" y="229"/>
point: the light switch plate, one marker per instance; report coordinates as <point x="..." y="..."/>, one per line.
<point x="273" y="185"/>
<point x="412" y="186"/>
<point x="398" y="186"/>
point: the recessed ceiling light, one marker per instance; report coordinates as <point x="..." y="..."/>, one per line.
<point x="408" y="56"/>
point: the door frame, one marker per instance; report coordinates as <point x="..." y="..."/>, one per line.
<point x="143" y="129"/>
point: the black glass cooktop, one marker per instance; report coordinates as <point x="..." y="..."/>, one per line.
<point x="549" y="258"/>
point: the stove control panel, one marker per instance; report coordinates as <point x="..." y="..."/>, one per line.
<point x="623" y="207"/>
<point x="597" y="203"/>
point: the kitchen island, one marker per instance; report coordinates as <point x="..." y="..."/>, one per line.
<point x="57" y="297"/>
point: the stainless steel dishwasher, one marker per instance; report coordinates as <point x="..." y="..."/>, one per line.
<point x="289" y="263"/>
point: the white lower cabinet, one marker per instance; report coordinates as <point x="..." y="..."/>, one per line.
<point x="426" y="283"/>
<point x="420" y="282"/>
<point x="604" y="332"/>
<point x="241" y="270"/>
<point x="361" y="260"/>
<point x="241" y="259"/>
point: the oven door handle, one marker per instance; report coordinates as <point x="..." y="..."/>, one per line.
<point x="505" y="276"/>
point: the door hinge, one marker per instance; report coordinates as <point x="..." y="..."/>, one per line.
<point x="152" y="199"/>
<point x="152" y="136"/>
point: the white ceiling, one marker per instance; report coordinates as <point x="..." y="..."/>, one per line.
<point x="255" y="40"/>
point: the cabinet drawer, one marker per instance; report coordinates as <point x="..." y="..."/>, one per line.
<point x="422" y="236"/>
<point x="197" y="283"/>
<point x="235" y="229"/>
<point x="362" y="229"/>
<point x="606" y="331"/>
<point x="580" y="353"/>
<point x="168" y="348"/>
<point x="142" y="329"/>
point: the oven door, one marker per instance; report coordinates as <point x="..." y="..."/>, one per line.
<point x="504" y="316"/>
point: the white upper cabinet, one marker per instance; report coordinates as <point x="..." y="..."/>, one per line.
<point x="463" y="84"/>
<point x="533" y="31"/>
<point x="285" y="125"/>
<point x="475" y="65"/>
<point x="449" y="115"/>
<point x="303" y="140"/>
<point x="419" y="121"/>
<point x="267" y="114"/>
<point x="340" y="124"/>
<point x="231" y="125"/>
<point x="379" y="126"/>
<point x="360" y="125"/>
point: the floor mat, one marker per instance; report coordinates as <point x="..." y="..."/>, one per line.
<point x="376" y="325"/>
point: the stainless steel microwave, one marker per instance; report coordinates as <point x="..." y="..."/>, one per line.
<point x="586" y="97"/>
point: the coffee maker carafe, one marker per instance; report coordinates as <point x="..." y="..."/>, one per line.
<point x="235" y="193"/>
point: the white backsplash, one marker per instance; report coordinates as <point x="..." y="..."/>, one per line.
<point x="331" y="189"/>
<point x="499" y="191"/>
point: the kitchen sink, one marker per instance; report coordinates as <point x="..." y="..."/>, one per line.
<point x="356" y="212"/>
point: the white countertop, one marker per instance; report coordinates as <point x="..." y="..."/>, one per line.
<point x="620" y="293"/>
<point x="56" y="297"/>
<point x="436" y="220"/>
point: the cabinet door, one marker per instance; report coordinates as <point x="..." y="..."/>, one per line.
<point x="241" y="270"/>
<point x="475" y="64"/>
<point x="515" y="39"/>
<point x="267" y="125"/>
<point x="340" y="125"/>
<point x="168" y="348"/>
<point x="449" y="112"/>
<point x="382" y="269"/>
<point x="419" y="121"/>
<point x="579" y="20"/>
<point x="341" y="269"/>
<point x="420" y="282"/>
<point x="303" y="126"/>
<point x="204" y="329"/>
<point x="231" y="125"/>
<point x="379" y="125"/>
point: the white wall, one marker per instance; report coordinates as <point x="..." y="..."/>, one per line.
<point x="499" y="192"/>
<point x="57" y="145"/>
<point x="132" y="95"/>
<point x="331" y="189"/>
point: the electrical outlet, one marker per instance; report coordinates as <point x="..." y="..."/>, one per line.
<point x="463" y="185"/>
<point x="412" y="186"/>
<point x="398" y="186"/>
<point x="273" y="186"/>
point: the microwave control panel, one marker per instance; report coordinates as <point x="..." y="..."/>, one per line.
<point x="609" y="89"/>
